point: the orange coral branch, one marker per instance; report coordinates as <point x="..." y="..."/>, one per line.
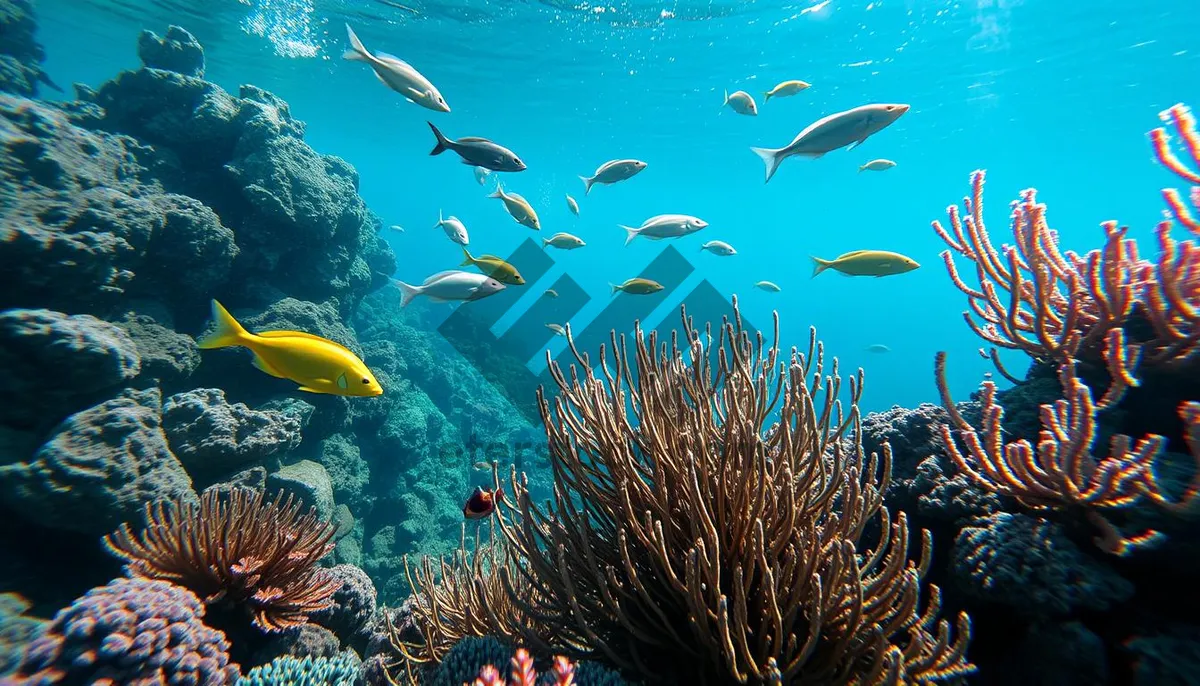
<point x="1189" y="412"/>
<point x="1179" y="117"/>
<point x="1172" y="297"/>
<point x="1061" y="473"/>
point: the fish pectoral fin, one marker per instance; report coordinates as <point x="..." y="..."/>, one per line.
<point x="306" y="389"/>
<point x="262" y="365"/>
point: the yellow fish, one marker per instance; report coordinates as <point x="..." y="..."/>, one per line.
<point x="785" y="89"/>
<point x="638" y="286"/>
<point x="518" y="207"/>
<point x="494" y="267"/>
<point x="867" y="263"/>
<point x="319" y="365"/>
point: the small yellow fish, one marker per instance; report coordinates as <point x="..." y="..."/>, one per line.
<point x="785" y="89"/>
<point x="319" y="365"/>
<point x="877" y="165"/>
<point x="867" y="263"/>
<point x="494" y="267"/>
<point x="573" y="206"/>
<point x="563" y="241"/>
<point x="768" y="286"/>
<point x="637" y="286"/>
<point x="550" y="293"/>
<point x="557" y="329"/>
<point x="518" y="207"/>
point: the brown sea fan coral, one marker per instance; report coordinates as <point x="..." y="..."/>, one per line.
<point x="710" y="505"/>
<point x="237" y="549"/>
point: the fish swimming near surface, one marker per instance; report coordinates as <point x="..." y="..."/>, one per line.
<point x="482" y="503"/>
<point x="866" y="263"/>
<point x="397" y="74"/>
<point x="518" y="207"/>
<point x="558" y="329"/>
<point x="878" y="348"/>
<point x="637" y="286"/>
<point x="720" y="248"/>
<point x="611" y="172"/>
<point x="451" y="285"/>
<point x="563" y="241"/>
<point x="397" y="228"/>
<point x="573" y="206"/>
<point x="741" y="102"/>
<point x="318" y="364"/>
<point x="785" y="89"/>
<point x="838" y="130"/>
<point x="664" y="226"/>
<point x="481" y="175"/>
<point x="877" y="165"/>
<point x="768" y="286"/>
<point x="455" y="229"/>
<point x="479" y="152"/>
<point x="494" y="267"/>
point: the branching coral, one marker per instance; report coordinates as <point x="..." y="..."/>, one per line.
<point x="1180" y="118"/>
<point x="1061" y="472"/>
<point x="687" y="537"/>
<point x="1036" y="298"/>
<point x="523" y="673"/>
<point x="236" y="548"/>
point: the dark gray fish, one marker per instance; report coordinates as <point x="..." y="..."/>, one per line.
<point x="479" y="152"/>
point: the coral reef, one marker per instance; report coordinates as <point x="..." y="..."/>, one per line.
<point x="131" y="631"/>
<point x="244" y="550"/>
<point x="341" y="670"/>
<point x="20" y="54"/>
<point x="17" y="631"/>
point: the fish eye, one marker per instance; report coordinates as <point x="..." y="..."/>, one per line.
<point x="366" y="380"/>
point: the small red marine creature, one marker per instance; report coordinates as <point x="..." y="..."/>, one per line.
<point x="482" y="503"/>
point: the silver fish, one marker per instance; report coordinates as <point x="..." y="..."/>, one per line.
<point x="397" y="74"/>
<point x="478" y="151"/>
<point x="768" y="286"/>
<point x="563" y="241"/>
<point x="720" y="248"/>
<point x="481" y="175"/>
<point x="573" y="206"/>
<point x="612" y="172"/>
<point x="838" y="130"/>
<point x="451" y="285"/>
<point x="454" y="228"/>
<point x="665" y="226"/>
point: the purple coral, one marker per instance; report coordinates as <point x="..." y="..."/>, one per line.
<point x="135" y="632"/>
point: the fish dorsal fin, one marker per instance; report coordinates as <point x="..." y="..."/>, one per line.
<point x="473" y="139"/>
<point x="301" y="334"/>
<point x="386" y="57"/>
<point x="852" y="253"/>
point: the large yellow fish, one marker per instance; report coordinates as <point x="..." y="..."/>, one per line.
<point x="867" y="263"/>
<point x="494" y="267"/>
<point x="319" y="365"/>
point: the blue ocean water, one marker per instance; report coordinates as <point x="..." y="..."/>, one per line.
<point x="1046" y="94"/>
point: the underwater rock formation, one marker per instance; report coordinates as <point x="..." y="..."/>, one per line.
<point x="21" y="55"/>
<point x="130" y="631"/>
<point x="98" y="468"/>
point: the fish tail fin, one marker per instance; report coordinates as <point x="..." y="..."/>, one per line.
<point x="441" y="220"/>
<point x="498" y="193"/>
<point x="441" y="140"/>
<point x="726" y="102"/>
<point x="545" y="242"/>
<point x="614" y="287"/>
<point x="861" y="167"/>
<point x="770" y="157"/>
<point x="357" y="52"/>
<point x="819" y="265"/>
<point x="587" y="184"/>
<point x="228" y="331"/>
<point x="467" y="259"/>
<point x="766" y="96"/>
<point x="407" y="292"/>
<point x="630" y="233"/>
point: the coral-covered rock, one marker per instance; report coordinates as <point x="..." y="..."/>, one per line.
<point x="949" y="499"/>
<point x="132" y="631"/>
<point x="178" y="52"/>
<point x="21" y="55"/>
<point x="1031" y="566"/>
<point x="462" y="664"/>
<point x="167" y="356"/>
<point x="309" y="483"/>
<point x="1066" y="654"/>
<point x="340" y="670"/>
<point x="353" y="611"/>
<point x="98" y="468"/>
<point x="17" y="631"/>
<point x="1169" y="656"/>
<point x="213" y="437"/>
<point x="348" y="471"/>
<point x="299" y="641"/>
<point x="190" y="249"/>
<point x="54" y="361"/>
